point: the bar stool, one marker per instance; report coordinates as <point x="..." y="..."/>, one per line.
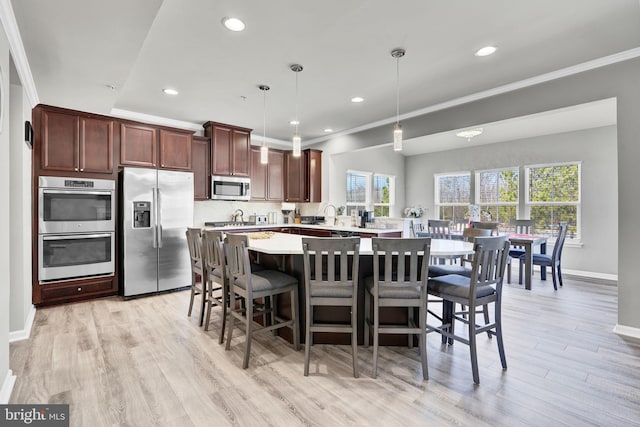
<point x="243" y="283"/>
<point x="197" y="272"/>
<point x="395" y="285"/>
<point x="330" y="280"/>
<point x="214" y="263"/>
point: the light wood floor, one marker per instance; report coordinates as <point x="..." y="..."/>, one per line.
<point x="143" y="362"/>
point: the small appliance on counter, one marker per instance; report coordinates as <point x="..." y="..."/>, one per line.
<point x="365" y="217"/>
<point x="312" y="220"/>
<point x="259" y="219"/>
<point x="286" y="210"/>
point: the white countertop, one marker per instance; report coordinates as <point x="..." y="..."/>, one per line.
<point x="291" y="244"/>
<point x="309" y="226"/>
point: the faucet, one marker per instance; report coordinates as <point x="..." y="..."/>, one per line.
<point x="333" y="215"/>
<point x="237" y="214"/>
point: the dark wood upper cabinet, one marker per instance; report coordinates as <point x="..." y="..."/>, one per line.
<point x="266" y="180"/>
<point x="96" y="145"/>
<point x="303" y="176"/>
<point x="175" y="149"/>
<point x="138" y="145"/>
<point x="200" y="166"/>
<point x="230" y="149"/>
<point x="294" y="183"/>
<point x="71" y="142"/>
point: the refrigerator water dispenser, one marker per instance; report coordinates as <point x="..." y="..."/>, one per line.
<point x="141" y="214"/>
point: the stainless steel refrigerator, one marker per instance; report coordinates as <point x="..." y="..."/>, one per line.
<point x="156" y="207"/>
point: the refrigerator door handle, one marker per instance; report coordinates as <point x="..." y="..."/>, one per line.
<point x="159" y="217"/>
<point x="154" y="227"/>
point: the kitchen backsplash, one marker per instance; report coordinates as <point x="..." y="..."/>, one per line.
<point x="221" y="210"/>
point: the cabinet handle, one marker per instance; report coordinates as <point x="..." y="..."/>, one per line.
<point x="79" y="289"/>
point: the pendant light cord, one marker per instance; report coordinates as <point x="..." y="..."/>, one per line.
<point x="297" y="121"/>
<point x="264" y="118"/>
<point x="397" y="90"/>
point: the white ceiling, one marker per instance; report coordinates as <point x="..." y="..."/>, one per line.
<point x="76" y="48"/>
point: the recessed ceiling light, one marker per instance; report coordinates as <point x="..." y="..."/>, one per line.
<point x="328" y="130"/>
<point x="111" y="87"/>
<point x="233" y="24"/>
<point x="470" y="133"/>
<point x="169" y="91"/>
<point x="486" y="51"/>
<point x="294" y="122"/>
<point x="357" y="99"/>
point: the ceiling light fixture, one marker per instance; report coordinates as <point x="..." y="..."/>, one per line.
<point x="469" y="134"/>
<point x="357" y="99"/>
<point x="264" y="150"/>
<point x="294" y="122"/>
<point x="169" y="91"/>
<point x="397" y="129"/>
<point x="233" y="24"/>
<point x="297" y="141"/>
<point x="328" y="130"/>
<point x="486" y="51"/>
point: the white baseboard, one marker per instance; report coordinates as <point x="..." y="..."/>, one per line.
<point x="25" y="333"/>
<point x="7" y="387"/>
<point x="613" y="278"/>
<point x="627" y="331"/>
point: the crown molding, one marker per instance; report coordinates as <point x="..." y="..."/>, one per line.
<point x="542" y="78"/>
<point x="18" y="53"/>
<point x="157" y="120"/>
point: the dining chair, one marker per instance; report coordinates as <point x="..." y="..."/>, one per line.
<point x="482" y="288"/>
<point x="553" y="260"/>
<point x="468" y="235"/>
<point x="198" y="278"/>
<point x="439" y="228"/>
<point x="217" y="281"/>
<point x="520" y="226"/>
<point x="399" y="280"/>
<point x="330" y="279"/>
<point x="243" y="283"/>
<point x="416" y="227"/>
<point x="487" y="225"/>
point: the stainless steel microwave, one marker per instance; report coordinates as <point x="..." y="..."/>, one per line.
<point x="230" y="188"/>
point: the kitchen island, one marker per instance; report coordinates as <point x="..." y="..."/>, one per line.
<point x="318" y="230"/>
<point x="283" y="251"/>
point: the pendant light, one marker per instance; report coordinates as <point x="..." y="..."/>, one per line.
<point x="296" y="68"/>
<point x="264" y="150"/>
<point x="397" y="129"/>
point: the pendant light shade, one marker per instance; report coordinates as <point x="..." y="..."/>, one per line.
<point x="264" y="150"/>
<point x="397" y="129"/>
<point x="297" y="141"/>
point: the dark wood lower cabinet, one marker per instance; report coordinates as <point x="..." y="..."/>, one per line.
<point x="61" y="292"/>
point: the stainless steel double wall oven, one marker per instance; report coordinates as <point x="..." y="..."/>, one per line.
<point x="76" y="228"/>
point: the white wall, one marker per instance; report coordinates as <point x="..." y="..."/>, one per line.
<point x="4" y="210"/>
<point x="20" y="211"/>
<point x="596" y="148"/>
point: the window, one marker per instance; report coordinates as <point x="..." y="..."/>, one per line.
<point x="497" y="194"/>
<point x="383" y="194"/>
<point x="553" y="196"/>
<point x="366" y="190"/>
<point x="358" y="190"/>
<point x="452" y="193"/>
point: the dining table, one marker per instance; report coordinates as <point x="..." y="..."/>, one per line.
<point x="528" y="242"/>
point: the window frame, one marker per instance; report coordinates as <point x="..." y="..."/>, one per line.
<point x="392" y="192"/>
<point x="436" y="192"/>
<point x="477" y="186"/>
<point x="578" y="204"/>
<point x="368" y="190"/>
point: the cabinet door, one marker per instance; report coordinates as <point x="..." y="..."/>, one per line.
<point x="175" y="150"/>
<point x="59" y="141"/>
<point x="221" y="151"/>
<point x="96" y="145"/>
<point x="275" y="184"/>
<point x="313" y="173"/>
<point x="295" y="180"/>
<point x="240" y="154"/>
<point x="200" y="166"/>
<point x="138" y="145"/>
<point x="258" y="175"/>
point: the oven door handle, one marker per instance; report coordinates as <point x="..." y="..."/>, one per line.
<point x="75" y="236"/>
<point x="92" y="193"/>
